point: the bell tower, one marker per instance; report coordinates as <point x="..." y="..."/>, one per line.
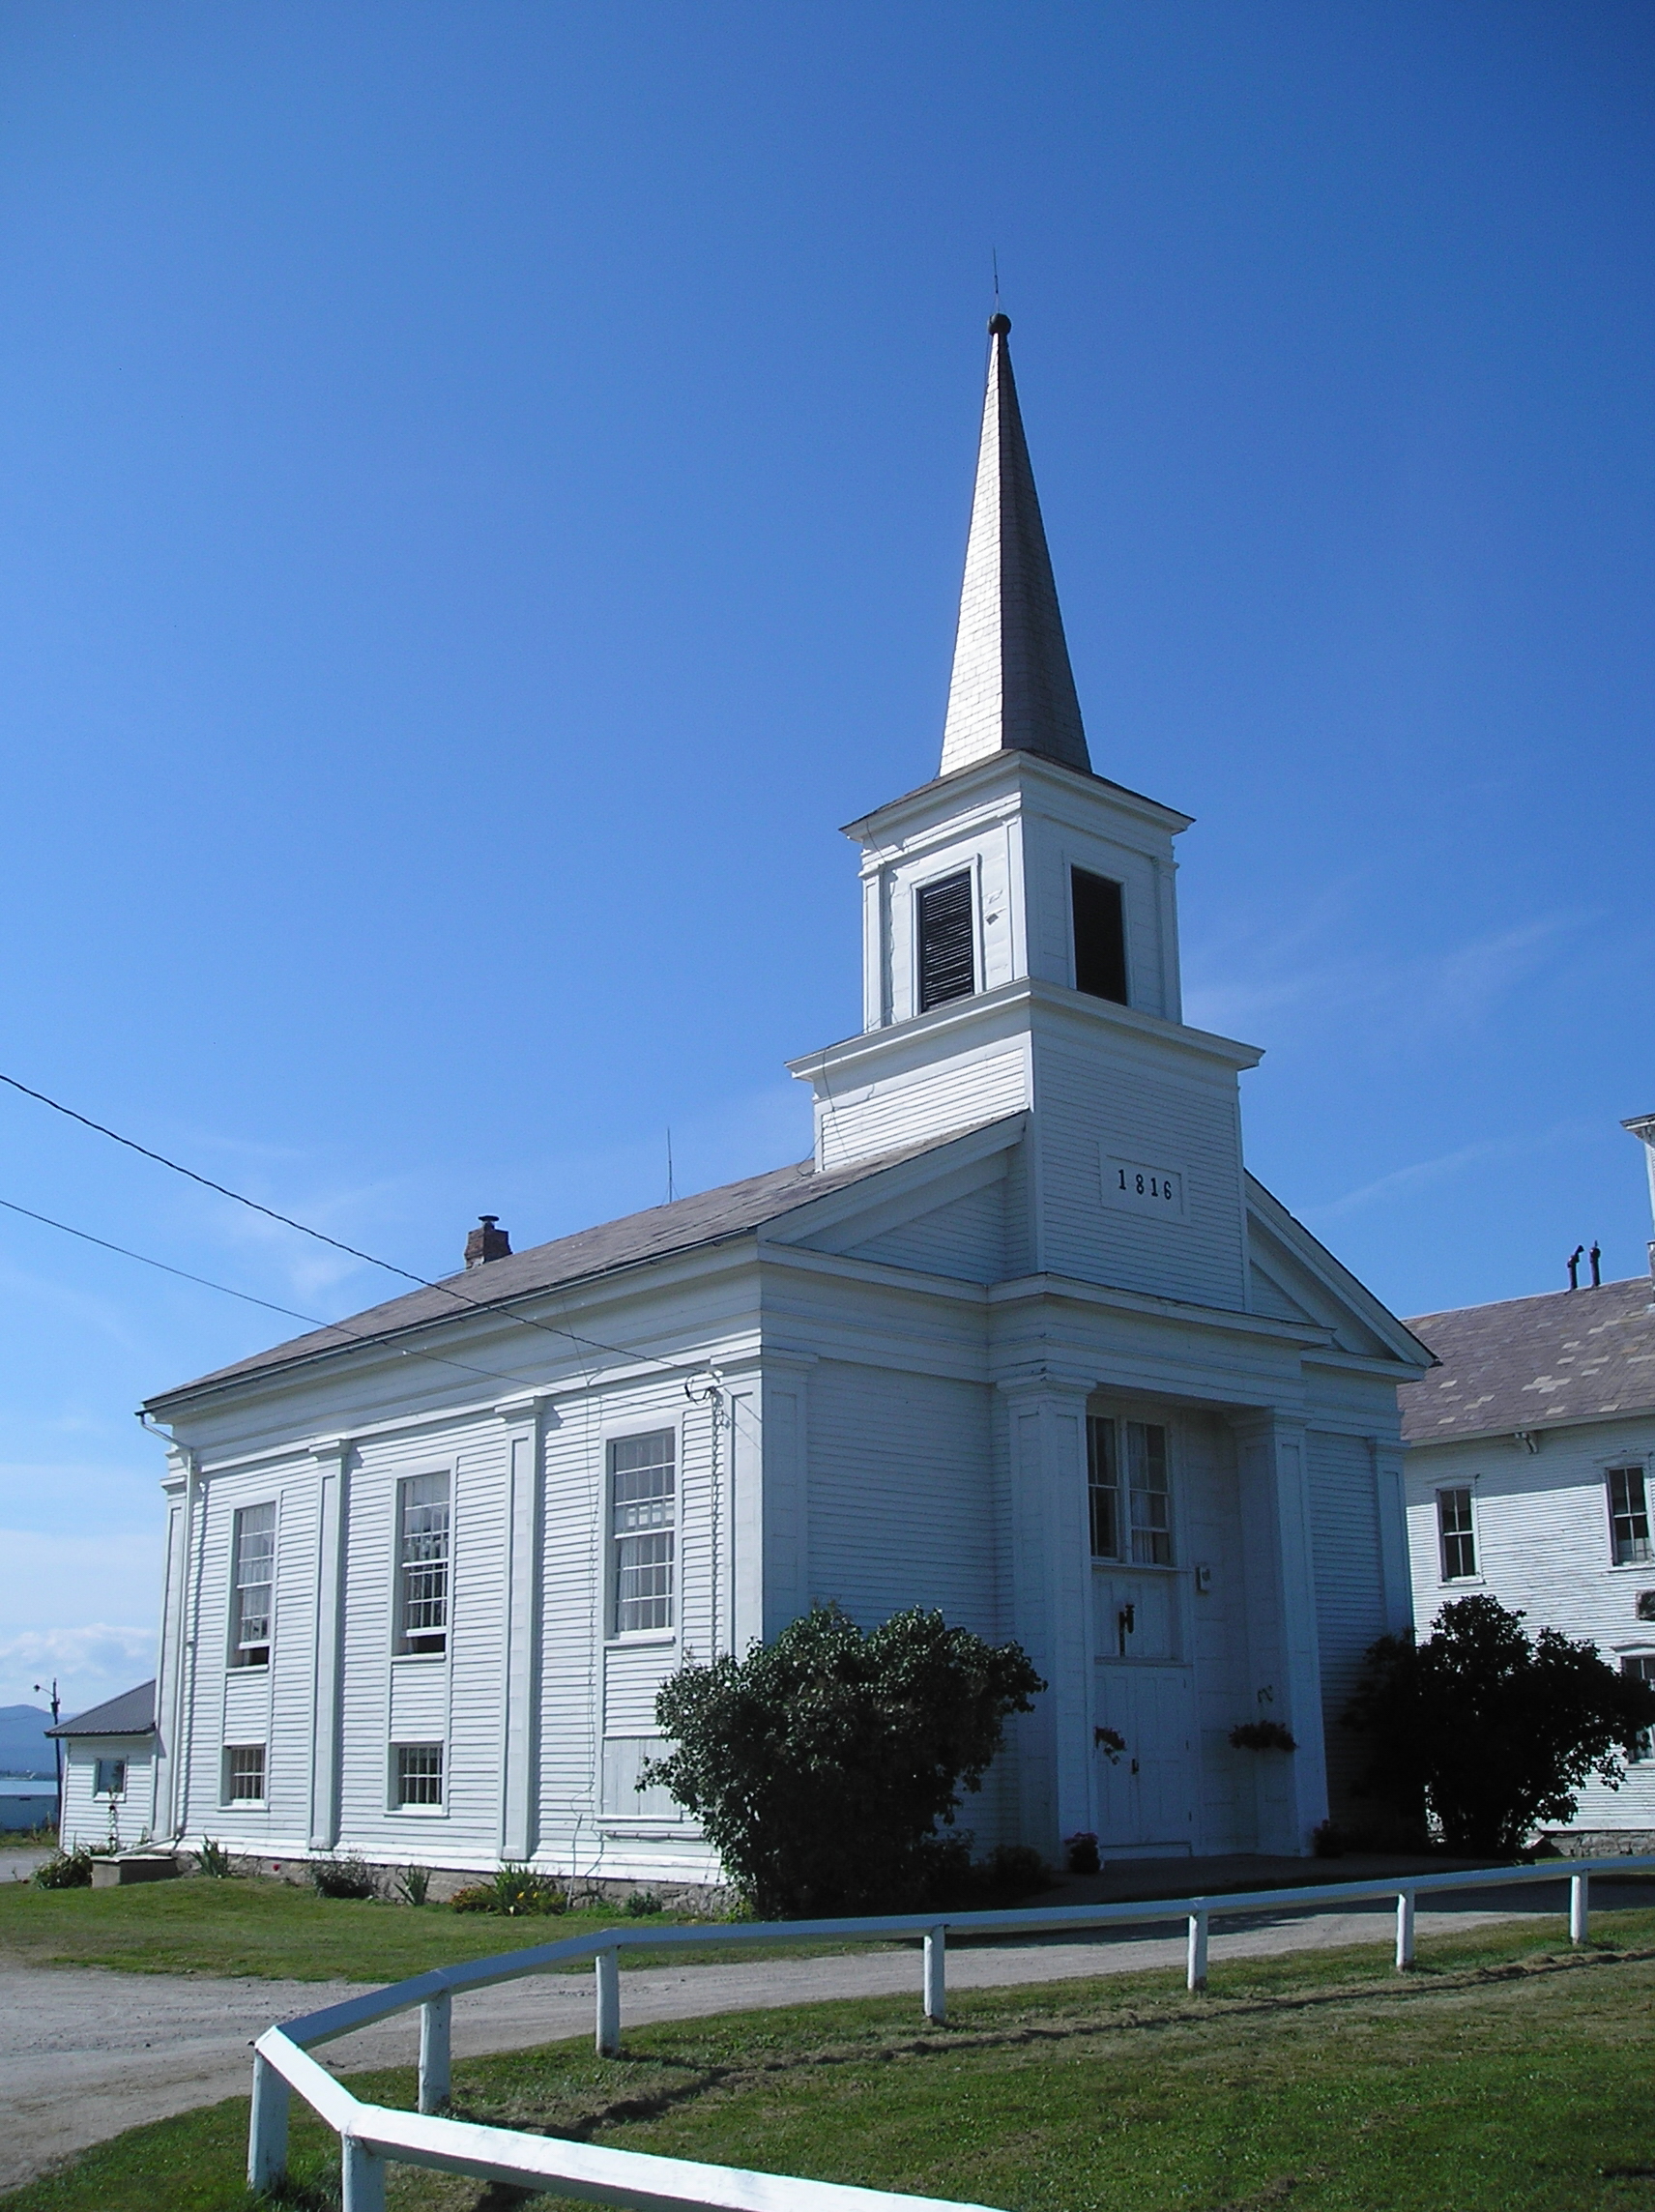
<point x="1020" y="946"/>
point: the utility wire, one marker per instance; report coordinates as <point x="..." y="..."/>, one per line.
<point x="185" y="1277"/>
<point x="445" y="1290"/>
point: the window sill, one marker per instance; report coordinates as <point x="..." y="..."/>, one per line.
<point x="631" y="1639"/>
<point x="418" y="1812"/>
<point x="651" y="1831"/>
<point x="246" y="1805"/>
<point x="1461" y="1582"/>
<point x="419" y="1658"/>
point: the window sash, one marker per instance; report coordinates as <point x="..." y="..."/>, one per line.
<point x="243" y="1773"/>
<point x="1103" y="1488"/>
<point x="643" y="1530"/>
<point x="425" y="1545"/>
<point x="1456" y="1535"/>
<point x="1149" y="1496"/>
<point x="1628" y="1517"/>
<point x="1641" y="1665"/>
<point x="419" y="1774"/>
<point x="254" y="1580"/>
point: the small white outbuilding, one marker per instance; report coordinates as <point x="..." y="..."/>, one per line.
<point x="1021" y="1339"/>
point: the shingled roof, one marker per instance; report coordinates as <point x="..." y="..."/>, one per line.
<point x="710" y="1217"/>
<point x="1534" y="1364"/>
<point x="131" y="1713"/>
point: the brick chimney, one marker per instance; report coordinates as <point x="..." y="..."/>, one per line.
<point x="487" y="1242"/>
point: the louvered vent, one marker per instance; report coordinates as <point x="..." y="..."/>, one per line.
<point x="948" y="956"/>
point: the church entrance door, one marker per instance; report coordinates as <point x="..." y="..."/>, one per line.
<point x="1146" y="1782"/>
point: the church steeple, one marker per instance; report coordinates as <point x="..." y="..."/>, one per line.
<point x="1012" y="689"/>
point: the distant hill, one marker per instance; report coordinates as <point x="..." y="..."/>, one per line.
<point x="24" y="1748"/>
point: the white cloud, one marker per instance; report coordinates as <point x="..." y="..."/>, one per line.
<point x="88" y="1664"/>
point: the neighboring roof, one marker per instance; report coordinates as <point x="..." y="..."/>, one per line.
<point x="687" y="1224"/>
<point x="1012" y="689"/>
<point x="1534" y="1364"/>
<point x="131" y="1713"/>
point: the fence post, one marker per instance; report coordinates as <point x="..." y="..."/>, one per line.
<point x="1580" y="1907"/>
<point x="362" y="2171"/>
<point x="607" y="1963"/>
<point x="1404" y="1930"/>
<point x="436" y="2017"/>
<point x="937" y="1972"/>
<point x="1197" y="1973"/>
<point x="267" y="2130"/>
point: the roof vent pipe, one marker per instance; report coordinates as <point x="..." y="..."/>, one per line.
<point x="1573" y="1264"/>
<point x="487" y="1242"/>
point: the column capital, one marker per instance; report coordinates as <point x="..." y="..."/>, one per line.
<point x="524" y="1410"/>
<point x="1251" y="1424"/>
<point x="1049" y="1380"/>
<point x="334" y="1450"/>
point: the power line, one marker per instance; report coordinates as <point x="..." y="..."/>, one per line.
<point x="287" y="1220"/>
<point x="207" y="1284"/>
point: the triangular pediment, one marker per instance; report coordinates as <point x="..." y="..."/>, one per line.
<point x="1294" y="1277"/>
<point x="943" y="1213"/>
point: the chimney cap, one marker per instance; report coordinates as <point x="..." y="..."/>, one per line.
<point x="487" y="1242"/>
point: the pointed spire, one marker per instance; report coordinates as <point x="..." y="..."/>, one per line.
<point x="1012" y="689"/>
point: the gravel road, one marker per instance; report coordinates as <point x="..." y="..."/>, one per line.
<point x="85" y="2052"/>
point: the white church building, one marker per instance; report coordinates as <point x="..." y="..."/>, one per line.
<point x="1022" y="1340"/>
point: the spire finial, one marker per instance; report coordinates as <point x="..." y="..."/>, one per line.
<point x="1012" y="689"/>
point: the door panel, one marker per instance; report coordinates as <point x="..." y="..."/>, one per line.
<point x="1147" y="1791"/>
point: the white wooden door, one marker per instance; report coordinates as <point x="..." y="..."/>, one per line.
<point x="1146" y="1790"/>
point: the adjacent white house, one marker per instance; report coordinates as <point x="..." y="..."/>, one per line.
<point x="1022" y="1340"/>
<point x="108" y="1771"/>
<point x="1531" y="1476"/>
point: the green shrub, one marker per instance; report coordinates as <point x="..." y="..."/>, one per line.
<point x="414" y="1884"/>
<point x="821" y="1765"/>
<point x="214" y="1859"/>
<point x="516" y="1891"/>
<point x="348" y="1876"/>
<point x="65" y="1869"/>
<point x="1483" y="1733"/>
<point x="642" y="1903"/>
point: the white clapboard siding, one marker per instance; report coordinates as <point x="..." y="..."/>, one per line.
<point x="899" y="1493"/>
<point x="964" y="1238"/>
<point x="1349" y="1588"/>
<point x="1086" y="1110"/>
<point x="953" y="1093"/>
<point x="1542" y="1530"/>
<point x="1208" y="1520"/>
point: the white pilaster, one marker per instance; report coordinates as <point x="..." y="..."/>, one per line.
<point x="166" y="1811"/>
<point x="520" y="1657"/>
<point x="1282" y="1639"/>
<point x="1392" y="1503"/>
<point x="327" y="1718"/>
<point x="1051" y="1600"/>
<point x="786" y="1454"/>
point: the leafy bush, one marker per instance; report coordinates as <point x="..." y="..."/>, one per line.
<point x="1080" y="1852"/>
<point x="822" y="1764"/>
<point x="1012" y="1871"/>
<point x="1262" y="1735"/>
<point x="514" y="1891"/>
<point x="65" y="1869"/>
<point x="642" y="1903"/>
<point x="1483" y="1733"/>
<point x="348" y="1876"/>
<point x="214" y="1859"/>
<point x="414" y="1884"/>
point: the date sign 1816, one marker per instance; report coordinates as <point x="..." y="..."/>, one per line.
<point x="1143" y="1187"/>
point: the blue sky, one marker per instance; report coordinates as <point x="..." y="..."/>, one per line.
<point x="485" y="492"/>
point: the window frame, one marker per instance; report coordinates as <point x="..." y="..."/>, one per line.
<point x="613" y="1538"/>
<point x="229" y="1799"/>
<point x="967" y="872"/>
<point x="1637" y="1470"/>
<point x="1115" y="1499"/>
<point x="119" y="1790"/>
<point x="261" y="1650"/>
<point x="1078" y="868"/>
<point x="1640" y="1664"/>
<point x="424" y="1808"/>
<point x="427" y="1643"/>
<point x="1469" y="1535"/>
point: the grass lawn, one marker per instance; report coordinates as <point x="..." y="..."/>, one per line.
<point x="1504" y="2076"/>
<point x="279" y="1931"/>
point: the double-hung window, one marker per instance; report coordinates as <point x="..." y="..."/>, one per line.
<point x="423" y="1558"/>
<point x="253" y="1591"/>
<point x="643" y="1530"/>
<point x="1641" y="1666"/>
<point x="1131" y="1517"/>
<point x="1628" y="1517"/>
<point x="1455" y="1534"/>
<point x="418" y="1773"/>
<point x="243" y="1773"/>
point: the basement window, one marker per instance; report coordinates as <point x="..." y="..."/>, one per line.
<point x="1454" y="1529"/>
<point x="418" y="1773"/>
<point x="422" y="1563"/>
<point x="243" y="1773"/>
<point x="947" y="951"/>
<point x="1628" y="1517"/>
<point x="1101" y="936"/>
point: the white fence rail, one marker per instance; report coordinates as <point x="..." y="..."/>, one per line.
<point x="372" y="2134"/>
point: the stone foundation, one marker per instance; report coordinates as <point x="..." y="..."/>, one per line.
<point x="1600" y="1843"/>
<point x="698" y="1900"/>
